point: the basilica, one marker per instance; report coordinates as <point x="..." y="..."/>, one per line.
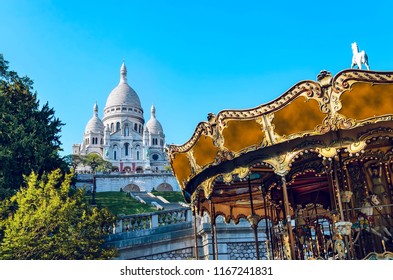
<point x="122" y="137"/>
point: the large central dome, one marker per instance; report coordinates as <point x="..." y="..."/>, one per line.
<point x="123" y="94"/>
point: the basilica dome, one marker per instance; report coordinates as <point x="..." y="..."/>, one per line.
<point x="123" y="94"/>
<point x="94" y="124"/>
<point x="153" y="125"/>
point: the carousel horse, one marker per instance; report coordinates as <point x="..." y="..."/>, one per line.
<point x="286" y="247"/>
<point x="378" y="229"/>
<point x="359" y="57"/>
<point x="339" y="248"/>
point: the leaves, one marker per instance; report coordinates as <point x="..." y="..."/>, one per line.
<point x="96" y="162"/>
<point x="48" y="220"/>
<point x="29" y="135"/>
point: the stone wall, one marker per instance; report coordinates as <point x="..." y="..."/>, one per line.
<point x="183" y="254"/>
<point x="114" y="182"/>
<point x="246" y="251"/>
<point x="235" y="242"/>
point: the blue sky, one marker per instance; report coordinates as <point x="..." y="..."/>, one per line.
<point x="189" y="58"/>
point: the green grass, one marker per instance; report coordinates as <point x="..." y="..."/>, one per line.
<point x="119" y="203"/>
<point x="170" y="196"/>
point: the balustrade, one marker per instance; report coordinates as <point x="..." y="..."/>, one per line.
<point x="153" y="220"/>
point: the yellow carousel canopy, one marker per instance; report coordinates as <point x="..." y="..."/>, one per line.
<point x="328" y="113"/>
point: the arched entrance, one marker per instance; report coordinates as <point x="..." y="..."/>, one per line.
<point x="131" y="188"/>
<point x="164" y="187"/>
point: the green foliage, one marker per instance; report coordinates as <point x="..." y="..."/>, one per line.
<point x="121" y="203"/>
<point x="167" y="168"/>
<point x="48" y="220"/>
<point x="95" y="161"/>
<point x="29" y="135"/>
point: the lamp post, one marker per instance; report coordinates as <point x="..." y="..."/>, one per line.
<point x="93" y="167"/>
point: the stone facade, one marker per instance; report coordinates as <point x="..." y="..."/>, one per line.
<point x="130" y="182"/>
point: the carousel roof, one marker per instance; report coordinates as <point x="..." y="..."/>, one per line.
<point x="237" y="151"/>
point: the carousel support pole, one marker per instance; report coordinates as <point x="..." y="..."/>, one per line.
<point x="196" y="254"/>
<point x="213" y="230"/>
<point x="271" y="215"/>
<point x="389" y="179"/>
<point x="215" y="233"/>
<point x="288" y="218"/>
<point x="253" y="219"/>
<point x="264" y="193"/>
<point x="338" y="193"/>
<point x="332" y="188"/>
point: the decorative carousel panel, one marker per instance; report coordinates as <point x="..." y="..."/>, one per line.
<point x="366" y="100"/>
<point x="204" y="151"/>
<point x="241" y="134"/>
<point x="299" y="116"/>
<point x="182" y="168"/>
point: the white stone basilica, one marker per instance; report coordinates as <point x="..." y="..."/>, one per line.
<point x="122" y="137"/>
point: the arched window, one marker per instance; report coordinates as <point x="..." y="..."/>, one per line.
<point x="137" y="155"/>
<point x="112" y="127"/>
<point x="126" y="130"/>
<point x="115" y="152"/>
<point x="135" y="127"/>
<point x="117" y="126"/>
<point x="126" y="147"/>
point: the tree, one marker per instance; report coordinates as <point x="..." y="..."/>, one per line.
<point x="73" y="161"/>
<point x="48" y="220"/>
<point x="96" y="163"/>
<point x="29" y="135"/>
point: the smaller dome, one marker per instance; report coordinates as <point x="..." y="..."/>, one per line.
<point x="94" y="124"/>
<point x="153" y="124"/>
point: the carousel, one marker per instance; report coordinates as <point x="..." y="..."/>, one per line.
<point x="313" y="169"/>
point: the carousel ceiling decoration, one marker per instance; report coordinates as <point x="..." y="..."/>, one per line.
<point x="319" y="117"/>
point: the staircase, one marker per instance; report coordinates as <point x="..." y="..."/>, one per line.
<point x="150" y="199"/>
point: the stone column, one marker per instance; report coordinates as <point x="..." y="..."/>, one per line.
<point x="154" y="221"/>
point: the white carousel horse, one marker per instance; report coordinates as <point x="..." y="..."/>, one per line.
<point x="359" y="57"/>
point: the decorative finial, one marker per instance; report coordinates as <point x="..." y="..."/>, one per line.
<point x="153" y="111"/>
<point x="123" y="73"/>
<point x="211" y="118"/>
<point x="95" y="109"/>
<point x="359" y="57"/>
<point x="324" y="78"/>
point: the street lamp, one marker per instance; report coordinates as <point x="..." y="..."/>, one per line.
<point x="93" y="167"/>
